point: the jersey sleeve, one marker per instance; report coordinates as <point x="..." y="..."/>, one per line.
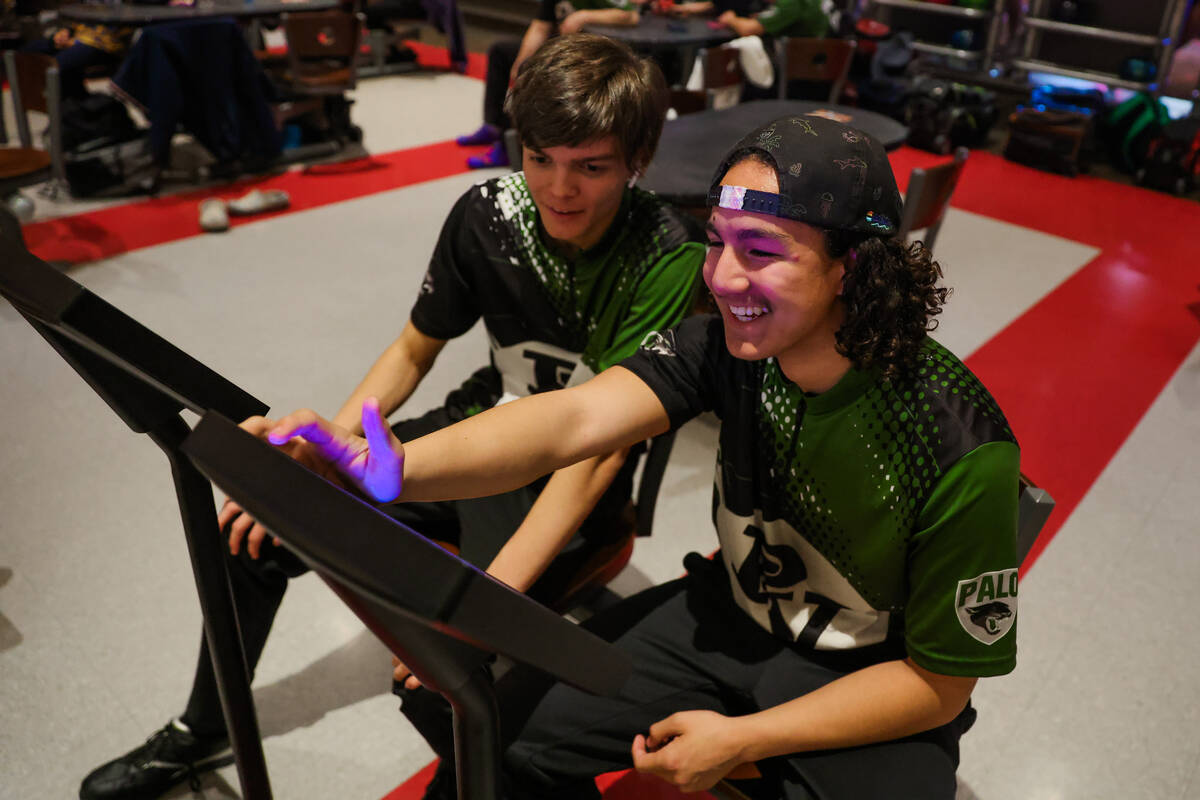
<point x="961" y="613"/>
<point x="794" y="18"/>
<point x="664" y="295"/>
<point x="679" y="365"/>
<point x="446" y="305"/>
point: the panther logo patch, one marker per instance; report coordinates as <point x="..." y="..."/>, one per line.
<point x="987" y="605"/>
<point x="662" y="344"/>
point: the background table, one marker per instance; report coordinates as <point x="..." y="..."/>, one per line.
<point x="692" y="145"/>
<point x="655" y="32"/>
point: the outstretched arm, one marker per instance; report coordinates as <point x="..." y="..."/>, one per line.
<point x="576" y="20"/>
<point x="496" y="451"/>
<point x="742" y="26"/>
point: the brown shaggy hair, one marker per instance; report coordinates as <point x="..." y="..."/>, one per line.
<point x="583" y="87"/>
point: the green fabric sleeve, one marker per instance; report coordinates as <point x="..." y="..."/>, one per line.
<point x="663" y="298"/>
<point x="794" y="18"/>
<point x="960" y="617"/>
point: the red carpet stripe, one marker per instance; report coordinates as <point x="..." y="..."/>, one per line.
<point x="431" y="57"/>
<point x="111" y="231"/>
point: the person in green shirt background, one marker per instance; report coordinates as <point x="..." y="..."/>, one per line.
<point x="781" y="18"/>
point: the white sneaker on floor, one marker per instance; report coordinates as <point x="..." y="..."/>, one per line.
<point x="214" y="217"/>
<point x="259" y="201"/>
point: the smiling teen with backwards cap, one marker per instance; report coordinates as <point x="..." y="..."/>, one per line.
<point x="865" y="501"/>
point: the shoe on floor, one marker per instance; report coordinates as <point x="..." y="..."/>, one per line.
<point x="496" y="156"/>
<point x="214" y="216"/>
<point x="171" y="756"/>
<point x="259" y="201"/>
<point x="487" y="134"/>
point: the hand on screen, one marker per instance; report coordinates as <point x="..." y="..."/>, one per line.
<point x="374" y="464"/>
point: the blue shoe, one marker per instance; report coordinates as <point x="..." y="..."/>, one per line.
<point x="487" y="134"/>
<point x="496" y="156"/>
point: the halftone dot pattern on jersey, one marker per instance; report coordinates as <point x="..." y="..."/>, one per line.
<point x="908" y="436"/>
<point x="518" y="211"/>
<point x="634" y="243"/>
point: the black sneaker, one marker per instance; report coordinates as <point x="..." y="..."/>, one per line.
<point x="170" y="756"/>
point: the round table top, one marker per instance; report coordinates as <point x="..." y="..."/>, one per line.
<point x="692" y="145"/>
<point x="20" y="161"/>
<point x="655" y="31"/>
<point x="136" y="15"/>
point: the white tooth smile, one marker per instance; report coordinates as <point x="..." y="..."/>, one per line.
<point x="748" y="313"/>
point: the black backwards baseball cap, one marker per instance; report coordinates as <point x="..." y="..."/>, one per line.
<point x="830" y="176"/>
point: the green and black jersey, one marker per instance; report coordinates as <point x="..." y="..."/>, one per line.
<point x="874" y="514"/>
<point x="794" y="18"/>
<point x="546" y="314"/>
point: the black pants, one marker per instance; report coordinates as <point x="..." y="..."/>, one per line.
<point x="692" y="648"/>
<point x="501" y="57"/>
<point x="479" y="527"/>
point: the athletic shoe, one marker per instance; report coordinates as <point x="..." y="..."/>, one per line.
<point x="487" y="134"/>
<point x="496" y="156"/>
<point x="172" y="755"/>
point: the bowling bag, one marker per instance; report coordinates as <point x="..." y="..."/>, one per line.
<point x="1173" y="158"/>
<point x="1048" y="139"/>
<point x="942" y="115"/>
<point x="1129" y="128"/>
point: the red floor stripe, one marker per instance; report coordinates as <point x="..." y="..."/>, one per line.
<point x="414" y="787"/>
<point x="431" y="57"/>
<point x="111" y="231"/>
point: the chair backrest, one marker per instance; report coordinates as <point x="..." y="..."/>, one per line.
<point x="928" y="196"/>
<point x="815" y="60"/>
<point x="723" y="78"/>
<point x="34" y="86"/>
<point x="1035" y="505"/>
<point x="323" y="49"/>
<point x="688" y="101"/>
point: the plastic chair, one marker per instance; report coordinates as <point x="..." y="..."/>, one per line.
<point x="33" y="78"/>
<point x="723" y="81"/>
<point x="928" y="197"/>
<point x="815" y="60"/>
<point x="322" y="56"/>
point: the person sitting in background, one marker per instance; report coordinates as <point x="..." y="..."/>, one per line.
<point x="713" y="8"/>
<point x="506" y="56"/>
<point x="569" y="267"/>
<point x="780" y="18"/>
<point x="80" y="48"/>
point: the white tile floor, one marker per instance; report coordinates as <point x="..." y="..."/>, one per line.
<point x="98" y="617"/>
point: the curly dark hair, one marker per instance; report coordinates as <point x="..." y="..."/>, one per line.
<point x="891" y="294"/>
